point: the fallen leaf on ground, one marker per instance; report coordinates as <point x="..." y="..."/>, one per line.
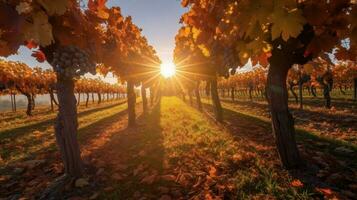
<point x="325" y="191"/>
<point x="168" y="177"/>
<point x="149" y="179"/>
<point x="297" y="183"/>
<point x="81" y="182"/>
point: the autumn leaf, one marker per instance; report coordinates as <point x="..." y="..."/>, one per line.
<point x="54" y="7"/>
<point x="325" y="191"/>
<point x="31" y="44"/>
<point x="286" y="23"/>
<point x="149" y="179"/>
<point x="297" y="183"/>
<point x="39" y="55"/>
<point x="81" y="182"/>
<point x="212" y="171"/>
<point x="40" y="31"/>
<point x="24" y="8"/>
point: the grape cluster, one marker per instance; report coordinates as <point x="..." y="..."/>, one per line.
<point x="71" y="62"/>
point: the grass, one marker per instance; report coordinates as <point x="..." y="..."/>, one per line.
<point x="204" y="160"/>
<point x="23" y="139"/>
<point x="178" y="152"/>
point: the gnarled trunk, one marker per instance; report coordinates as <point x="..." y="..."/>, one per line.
<point x="232" y="93"/>
<point x="87" y="100"/>
<point x="291" y="88"/>
<point x="144" y="99"/>
<point x="66" y="128"/>
<point x="190" y="97"/>
<point x="250" y="93"/>
<point x="131" y="103"/>
<point x="327" y="96"/>
<point x="300" y="89"/>
<point x="216" y="102"/>
<point x="198" y="97"/>
<point x="29" y="104"/>
<point x="313" y="91"/>
<point x="152" y="96"/>
<point x="33" y="104"/>
<point x="99" y="98"/>
<point x="282" y="120"/>
<point x="79" y="99"/>
<point x="355" y="89"/>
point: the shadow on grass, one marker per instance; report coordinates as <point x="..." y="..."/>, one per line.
<point x="43" y="125"/>
<point x="84" y="134"/>
<point x="319" y="154"/>
<point x="341" y="121"/>
<point x="140" y="149"/>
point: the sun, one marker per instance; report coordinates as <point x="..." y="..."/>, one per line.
<point x="167" y="69"/>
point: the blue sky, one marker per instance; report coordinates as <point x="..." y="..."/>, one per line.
<point x="159" y="20"/>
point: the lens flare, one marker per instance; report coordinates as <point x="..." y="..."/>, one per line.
<point x="167" y="69"/>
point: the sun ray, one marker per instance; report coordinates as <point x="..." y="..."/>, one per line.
<point x="168" y="69"/>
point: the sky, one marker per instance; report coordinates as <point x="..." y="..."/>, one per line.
<point x="159" y="20"/>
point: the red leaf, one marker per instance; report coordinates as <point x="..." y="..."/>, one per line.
<point x="325" y="191"/>
<point x="96" y="5"/>
<point x="31" y="44"/>
<point x="297" y="183"/>
<point x="39" y="55"/>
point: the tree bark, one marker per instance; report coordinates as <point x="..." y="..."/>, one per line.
<point x="87" y="100"/>
<point x="342" y="91"/>
<point x="250" y="93"/>
<point x="92" y="97"/>
<point x="282" y="120"/>
<point x="151" y="96"/>
<point x="144" y="99"/>
<point x="29" y="104"/>
<point x="79" y="98"/>
<point x="355" y="89"/>
<point x="131" y="103"/>
<point x="190" y="97"/>
<point x="313" y="91"/>
<point x="300" y="94"/>
<point x="33" y="101"/>
<point x="52" y="108"/>
<point x="52" y="97"/>
<point x="66" y="128"/>
<point x="327" y="96"/>
<point x="216" y="102"/>
<point x="14" y="102"/>
<point x="198" y="97"/>
<point x="291" y="88"/>
<point x="232" y="93"/>
<point x="99" y="98"/>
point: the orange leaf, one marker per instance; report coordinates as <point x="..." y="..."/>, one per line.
<point x="297" y="183"/>
<point x="39" y="55"/>
<point x="325" y="191"/>
<point x="31" y="44"/>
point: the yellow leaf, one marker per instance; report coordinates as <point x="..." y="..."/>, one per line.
<point x="53" y="7"/>
<point x="204" y="50"/>
<point x="40" y="31"/>
<point x="308" y="68"/>
<point x="24" y="7"/>
<point x="103" y="14"/>
<point x="286" y="23"/>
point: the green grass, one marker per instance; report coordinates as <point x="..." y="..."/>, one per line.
<point x="177" y="151"/>
<point x="184" y="143"/>
<point x="25" y="139"/>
